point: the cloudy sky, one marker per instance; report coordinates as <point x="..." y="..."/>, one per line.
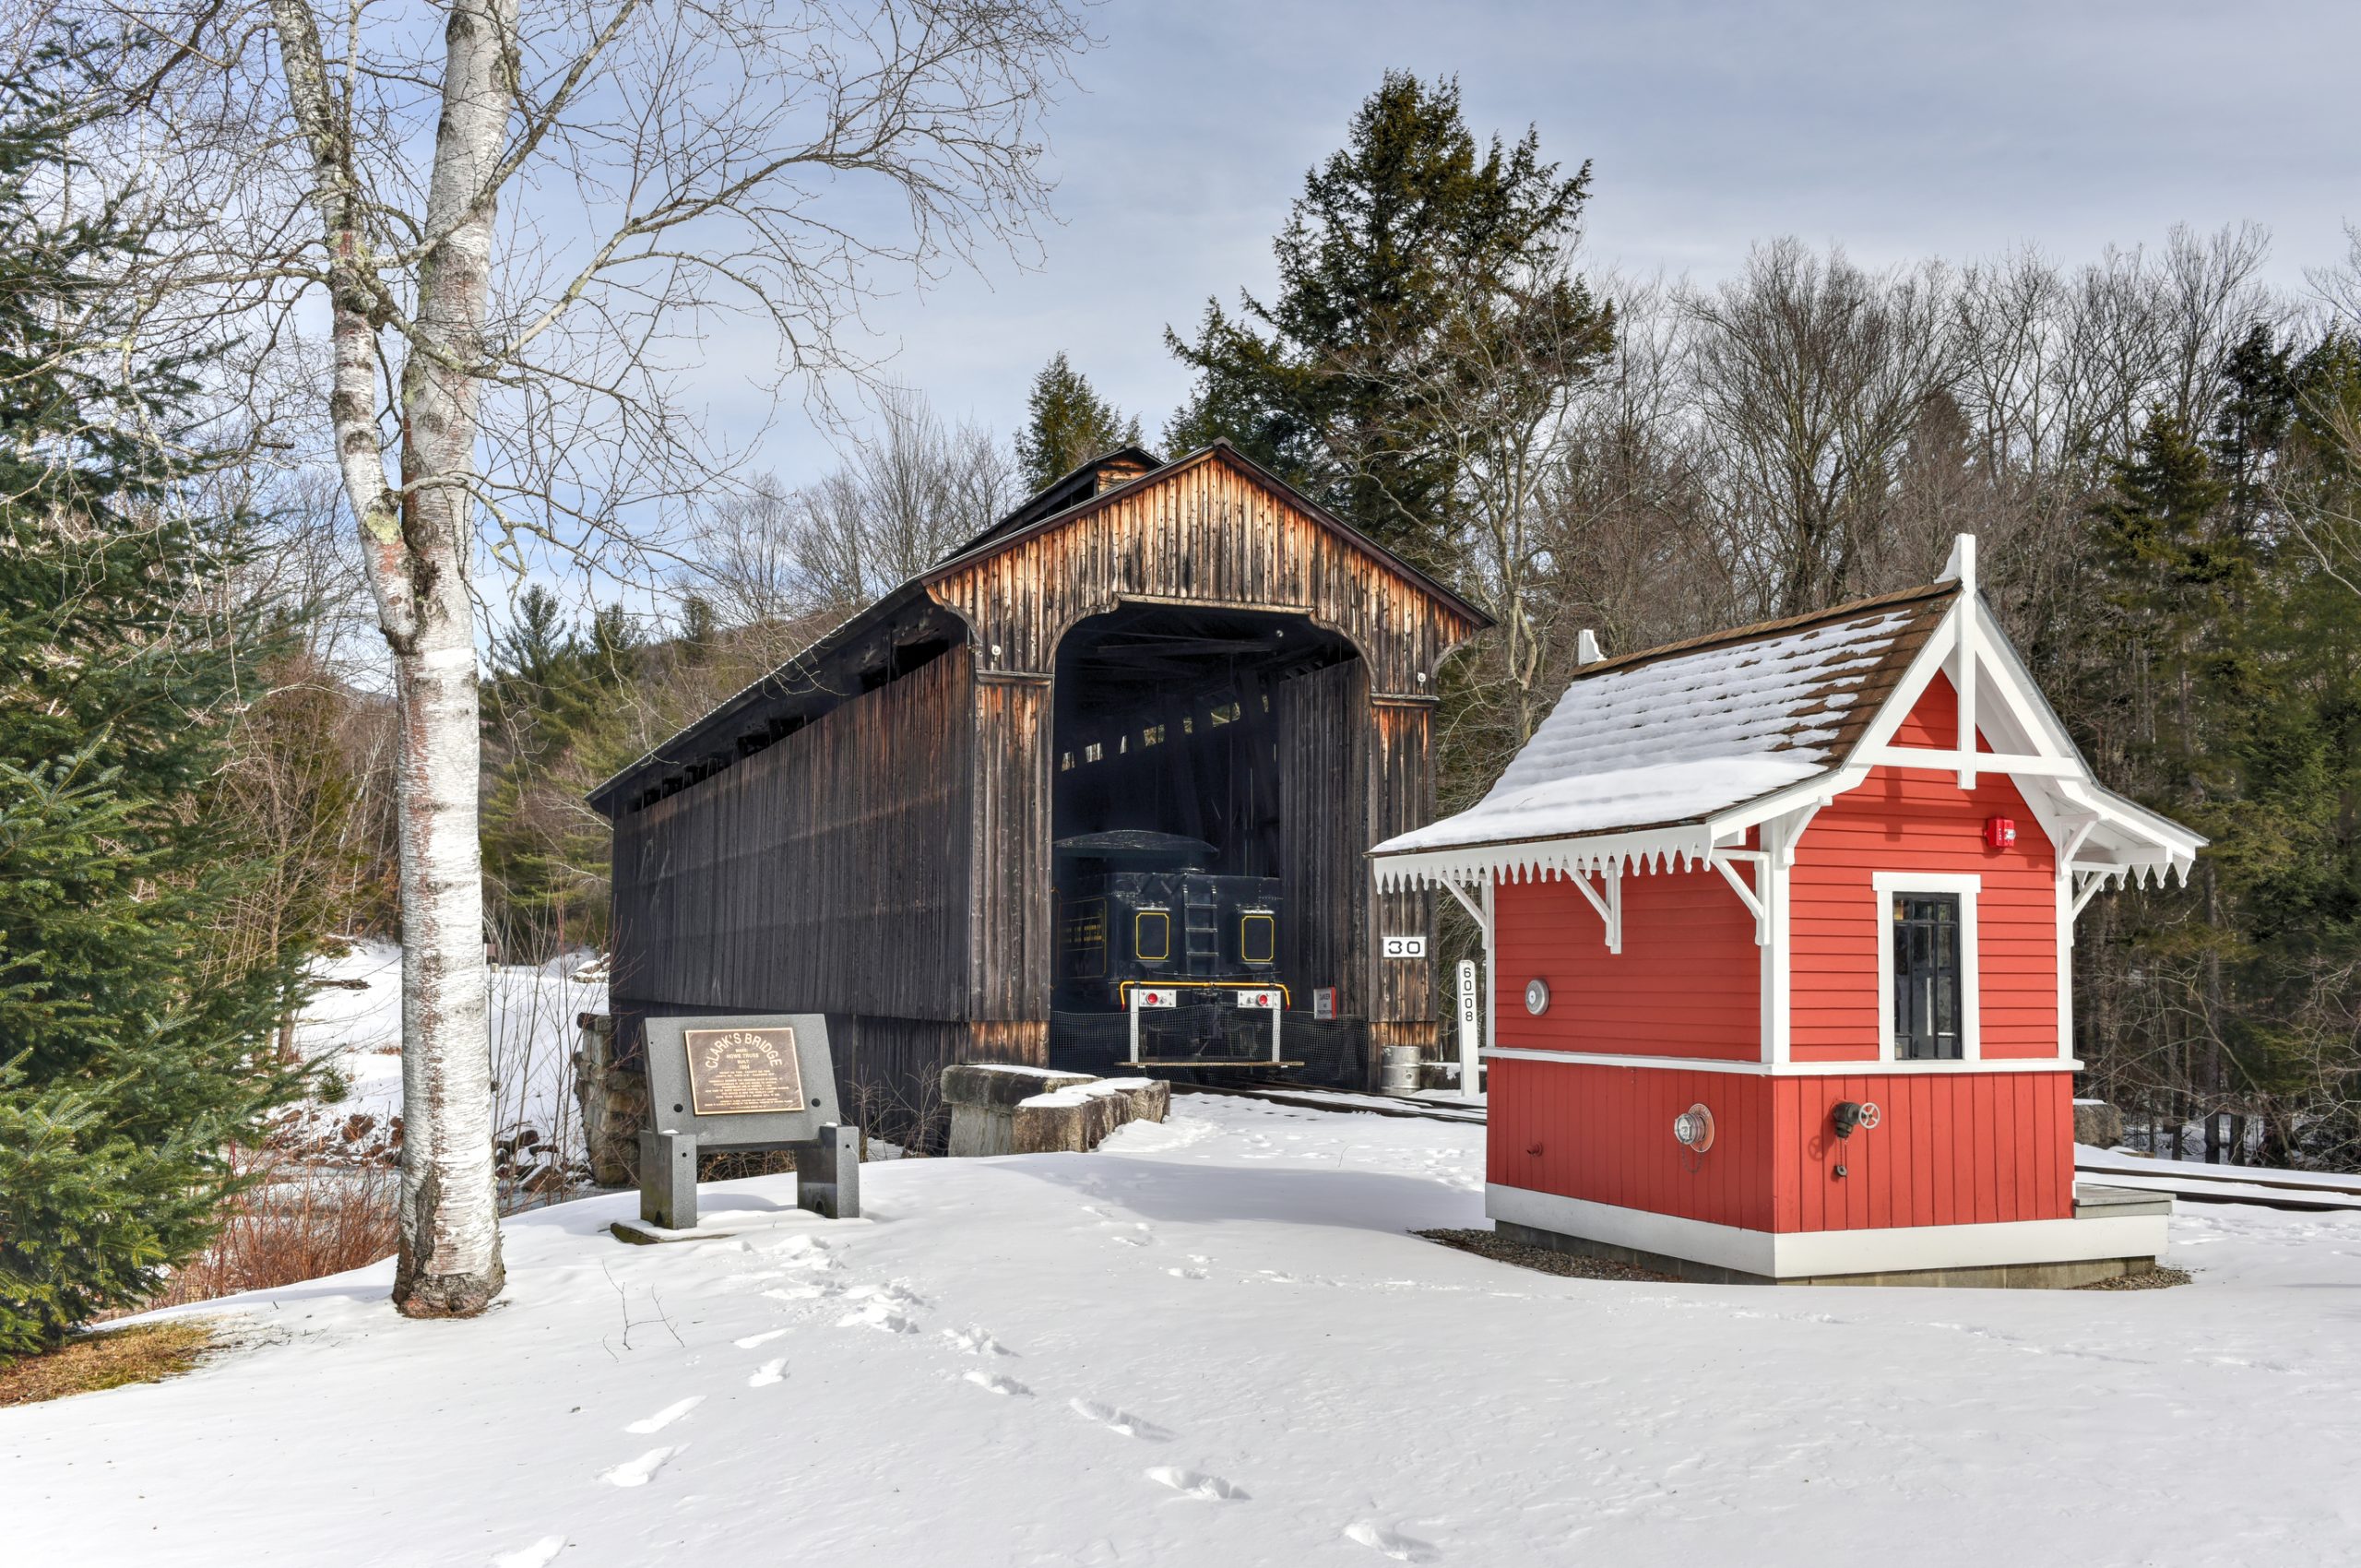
<point x="1899" y="130"/>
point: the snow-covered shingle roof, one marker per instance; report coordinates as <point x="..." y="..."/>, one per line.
<point x="1678" y="734"/>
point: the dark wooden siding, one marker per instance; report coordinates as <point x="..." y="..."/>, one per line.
<point x="827" y="873"/>
<point x="1009" y="977"/>
<point x="1324" y="883"/>
<point x="889" y="863"/>
<point x="1398" y="793"/>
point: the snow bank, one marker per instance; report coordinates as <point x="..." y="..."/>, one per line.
<point x="1213" y="1343"/>
<point x="1082" y="1094"/>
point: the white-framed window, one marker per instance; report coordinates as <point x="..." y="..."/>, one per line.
<point x="1929" y="1002"/>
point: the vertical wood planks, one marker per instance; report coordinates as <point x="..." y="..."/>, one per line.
<point x="827" y="872"/>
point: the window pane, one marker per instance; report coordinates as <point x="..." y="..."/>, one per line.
<point x="1926" y="977"/>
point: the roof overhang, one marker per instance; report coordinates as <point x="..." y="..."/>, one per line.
<point x="2105" y="839"/>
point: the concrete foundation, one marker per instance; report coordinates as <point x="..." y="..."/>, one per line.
<point x="2090" y="1203"/>
<point x="2011" y="1277"/>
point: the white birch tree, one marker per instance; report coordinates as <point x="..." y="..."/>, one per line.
<point x="520" y="222"/>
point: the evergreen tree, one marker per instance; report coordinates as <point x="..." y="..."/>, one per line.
<point x="1410" y="227"/>
<point x="2226" y="690"/>
<point x="1066" y="424"/>
<point x="133" y="1048"/>
<point x="551" y="687"/>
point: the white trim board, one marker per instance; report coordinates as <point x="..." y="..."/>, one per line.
<point x="1802" y="1254"/>
<point x="1884" y="885"/>
<point x="1863" y="1068"/>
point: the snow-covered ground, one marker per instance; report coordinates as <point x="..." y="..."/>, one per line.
<point x="1213" y="1344"/>
<point x="354" y="1020"/>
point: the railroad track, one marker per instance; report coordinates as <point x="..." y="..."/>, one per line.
<point x="1343" y="1101"/>
<point x="2297" y="1190"/>
<point x="2294" y="1190"/>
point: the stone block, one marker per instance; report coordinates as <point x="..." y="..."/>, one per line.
<point x="2097" y="1124"/>
<point x="1002" y="1110"/>
<point x="614" y="1102"/>
<point x="983" y="1096"/>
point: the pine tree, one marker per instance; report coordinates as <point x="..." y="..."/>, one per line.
<point x="1066" y="424"/>
<point x="550" y="687"/>
<point x="1393" y="237"/>
<point x="132" y="1050"/>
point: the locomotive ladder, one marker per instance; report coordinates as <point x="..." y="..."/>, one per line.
<point x="1200" y="935"/>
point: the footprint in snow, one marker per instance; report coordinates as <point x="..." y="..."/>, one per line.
<point x="1121" y="1421"/>
<point x="1186" y="1273"/>
<point x="767" y="1374"/>
<point x="894" y="1293"/>
<point x="976" y="1342"/>
<point x="1391" y="1543"/>
<point x="537" y="1555"/>
<point x="667" y="1416"/>
<point x="639" y="1471"/>
<point x="765" y="1337"/>
<point x="795" y="1244"/>
<point x="879" y="1315"/>
<point x="1197" y="1484"/>
<point x="992" y="1384"/>
<point x="809" y="1262"/>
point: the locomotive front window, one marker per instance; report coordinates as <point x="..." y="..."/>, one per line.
<point x="1927" y="997"/>
<point x="1258" y="937"/>
<point x="1152" y="934"/>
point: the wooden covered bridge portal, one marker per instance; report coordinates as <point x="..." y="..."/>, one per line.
<point x="1149" y="665"/>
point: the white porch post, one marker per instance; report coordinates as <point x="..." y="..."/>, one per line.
<point x="1491" y="969"/>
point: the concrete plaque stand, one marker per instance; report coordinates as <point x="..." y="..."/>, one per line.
<point x="827" y="1154"/>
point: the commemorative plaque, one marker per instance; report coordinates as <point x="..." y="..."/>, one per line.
<point x="743" y="1072"/>
<point x="742" y="1082"/>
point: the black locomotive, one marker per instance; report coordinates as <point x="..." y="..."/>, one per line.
<point x="1135" y="907"/>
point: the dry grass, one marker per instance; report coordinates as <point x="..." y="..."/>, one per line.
<point x="300" y="1222"/>
<point x="2157" y="1278"/>
<point x="149" y="1352"/>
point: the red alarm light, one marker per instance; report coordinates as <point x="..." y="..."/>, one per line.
<point x="2000" y="833"/>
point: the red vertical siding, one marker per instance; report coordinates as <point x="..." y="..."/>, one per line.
<point x="1949" y="1148"/>
<point x="1688" y="982"/>
<point x="1605" y="1135"/>
<point x="1920" y="820"/>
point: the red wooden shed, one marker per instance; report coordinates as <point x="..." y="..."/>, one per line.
<point x="1780" y="930"/>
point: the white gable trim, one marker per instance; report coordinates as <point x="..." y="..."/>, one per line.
<point x="1679" y="848"/>
<point x="2127" y="843"/>
<point x="2134" y="845"/>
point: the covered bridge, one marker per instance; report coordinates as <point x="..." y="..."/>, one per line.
<point x="1183" y="671"/>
